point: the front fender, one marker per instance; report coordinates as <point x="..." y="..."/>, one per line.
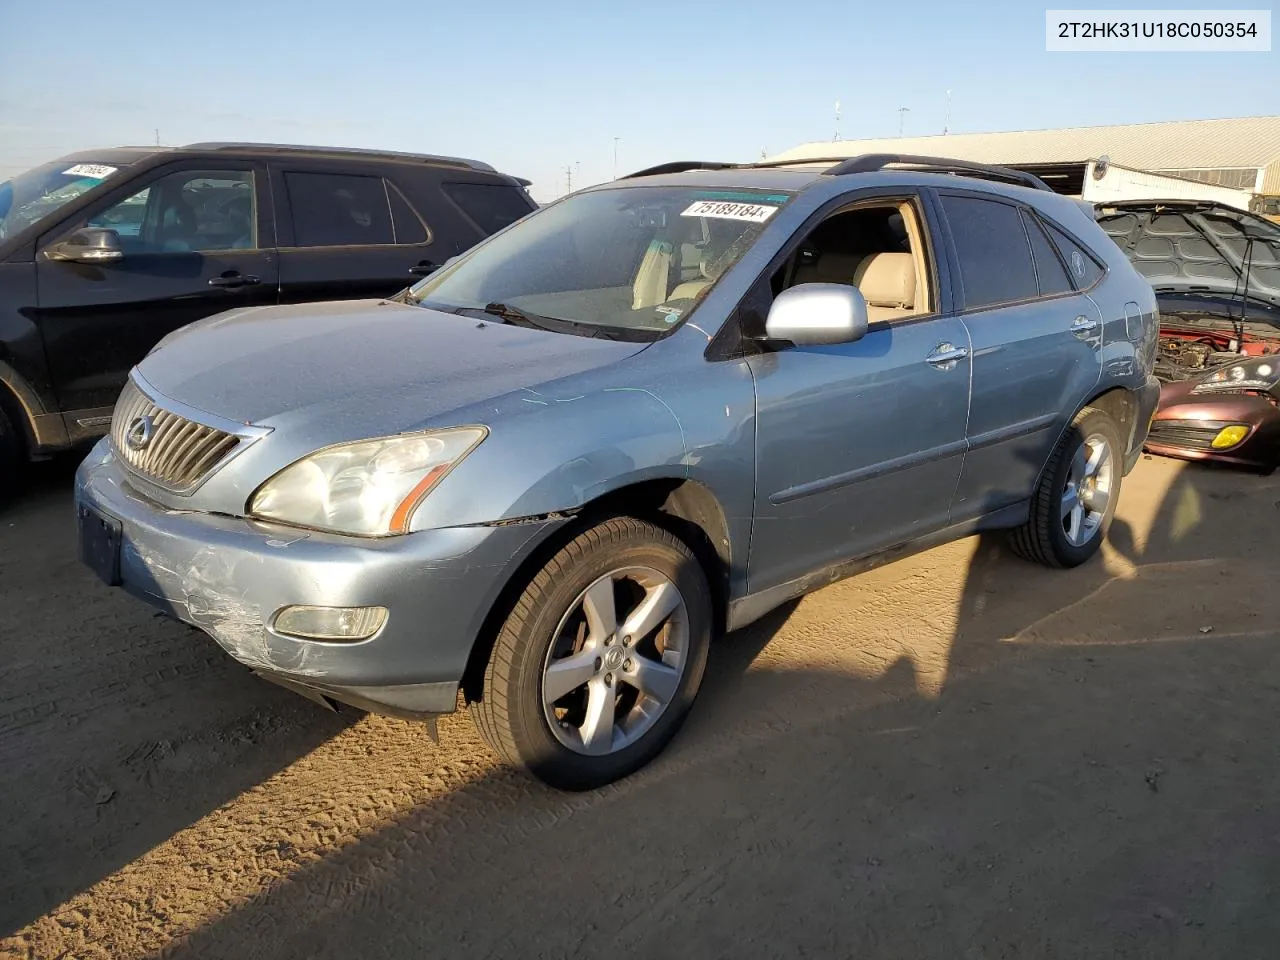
<point x="550" y="454"/>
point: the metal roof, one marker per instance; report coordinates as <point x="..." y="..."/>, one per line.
<point x="1248" y="142"/>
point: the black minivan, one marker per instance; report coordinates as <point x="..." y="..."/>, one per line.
<point x="104" y="252"/>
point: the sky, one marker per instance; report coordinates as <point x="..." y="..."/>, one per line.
<point x="538" y="89"/>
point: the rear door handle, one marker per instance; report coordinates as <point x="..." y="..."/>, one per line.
<point x="229" y="281"/>
<point x="946" y="355"/>
<point x="1083" y="327"/>
<point x="425" y="268"/>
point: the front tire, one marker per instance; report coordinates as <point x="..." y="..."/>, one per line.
<point x="1076" y="498"/>
<point x="11" y="459"/>
<point x="601" y="657"/>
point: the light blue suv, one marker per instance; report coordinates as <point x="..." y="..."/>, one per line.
<point x="548" y="474"/>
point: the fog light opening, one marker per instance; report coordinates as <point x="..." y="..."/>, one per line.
<point x="330" y="624"/>
<point x="1230" y="436"/>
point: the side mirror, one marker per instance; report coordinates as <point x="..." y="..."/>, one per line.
<point x="813" y="314"/>
<point x="88" y="245"/>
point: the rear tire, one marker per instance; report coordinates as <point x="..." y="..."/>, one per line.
<point x="1076" y="498"/>
<point x="570" y="694"/>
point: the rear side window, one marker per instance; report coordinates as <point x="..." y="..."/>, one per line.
<point x="1049" y="269"/>
<point x="1085" y="271"/>
<point x="490" y="206"/>
<point x="331" y="210"/>
<point x="995" y="257"/>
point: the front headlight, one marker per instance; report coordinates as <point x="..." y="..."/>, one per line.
<point x="1261" y="373"/>
<point x="369" y="488"/>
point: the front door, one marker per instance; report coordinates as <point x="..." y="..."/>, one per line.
<point x="197" y="241"/>
<point x="1036" y="340"/>
<point x="859" y="446"/>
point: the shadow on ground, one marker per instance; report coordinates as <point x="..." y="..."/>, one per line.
<point x="1096" y="777"/>
<point x="117" y="727"/>
<point x="958" y="755"/>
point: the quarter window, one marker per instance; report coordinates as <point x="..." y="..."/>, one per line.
<point x="491" y="206"/>
<point x="991" y="245"/>
<point x="1050" y="272"/>
<point x="1085" y="271"/>
<point x="194" y="210"/>
<point x="334" y="210"/>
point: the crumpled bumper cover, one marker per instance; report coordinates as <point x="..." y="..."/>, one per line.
<point x="228" y="576"/>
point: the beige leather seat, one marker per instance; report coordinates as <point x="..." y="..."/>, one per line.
<point x="888" y="284"/>
<point x="708" y="271"/>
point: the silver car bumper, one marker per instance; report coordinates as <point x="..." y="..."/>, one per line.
<point x="229" y="576"/>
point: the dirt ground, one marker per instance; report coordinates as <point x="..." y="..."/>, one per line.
<point x="957" y="756"/>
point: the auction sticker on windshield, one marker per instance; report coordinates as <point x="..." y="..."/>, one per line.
<point x="724" y="210"/>
<point x="98" y="171"/>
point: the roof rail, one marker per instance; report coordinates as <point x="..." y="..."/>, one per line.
<point x="360" y="151"/>
<point x="794" y="162"/>
<point x="871" y="162"/>
<point x="679" y="166"/>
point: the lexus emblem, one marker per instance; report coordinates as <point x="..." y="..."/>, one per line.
<point x="139" y="433"/>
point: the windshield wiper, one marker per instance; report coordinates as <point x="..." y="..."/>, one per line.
<point x="516" y="315"/>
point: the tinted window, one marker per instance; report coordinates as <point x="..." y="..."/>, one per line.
<point x="490" y="206"/>
<point x="995" y="260"/>
<point x="1084" y="269"/>
<point x="338" y="210"/>
<point x="408" y="225"/>
<point x="193" y="210"/>
<point x="1049" y="269"/>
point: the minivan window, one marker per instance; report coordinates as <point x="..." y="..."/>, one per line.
<point x="491" y="206"/>
<point x="192" y="210"/>
<point x="995" y="258"/>
<point x="1050" y="272"/>
<point x="338" y="209"/>
<point x="625" y="262"/>
<point x="1085" y="271"/>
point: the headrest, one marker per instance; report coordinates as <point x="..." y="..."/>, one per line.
<point x="887" y="280"/>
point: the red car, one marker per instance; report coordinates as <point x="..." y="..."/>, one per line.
<point x="1216" y="273"/>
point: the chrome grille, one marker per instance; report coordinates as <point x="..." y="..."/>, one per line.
<point x="179" y="453"/>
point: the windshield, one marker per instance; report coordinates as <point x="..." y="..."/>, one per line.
<point x="36" y="194"/>
<point x="629" y="263"/>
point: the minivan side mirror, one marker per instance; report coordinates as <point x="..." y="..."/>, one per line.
<point x="88" y="245"/>
<point x="812" y="314"/>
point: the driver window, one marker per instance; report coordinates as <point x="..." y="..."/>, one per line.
<point x="878" y="249"/>
<point x="190" y="211"/>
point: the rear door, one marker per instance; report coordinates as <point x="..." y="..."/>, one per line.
<point x="197" y="239"/>
<point x="348" y="231"/>
<point x="1036" y="343"/>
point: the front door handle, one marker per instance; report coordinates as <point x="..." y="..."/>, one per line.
<point x="946" y="355"/>
<point x="231" y="280"/>
<point x="1083" y="327"/>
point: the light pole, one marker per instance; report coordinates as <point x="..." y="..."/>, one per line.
<point x="902" y="118"/>
<point x="615" y="157"/>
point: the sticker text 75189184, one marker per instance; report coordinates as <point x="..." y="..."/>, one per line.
<point x="726" y="210"/>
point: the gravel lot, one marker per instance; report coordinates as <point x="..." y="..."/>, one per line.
<point x="957" y="755"/>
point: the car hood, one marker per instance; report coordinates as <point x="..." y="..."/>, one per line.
<point x="371" y="366"/>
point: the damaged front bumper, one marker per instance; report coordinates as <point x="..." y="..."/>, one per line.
<point x="230" y="576"/>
